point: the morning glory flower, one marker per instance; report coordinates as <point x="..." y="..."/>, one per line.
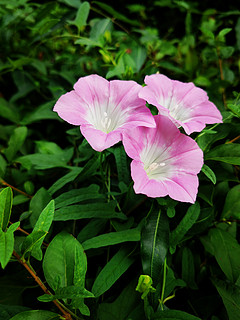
<point x="104" y="109"/>
<point x="185" y="104"/>
<point x="165" y="161"/>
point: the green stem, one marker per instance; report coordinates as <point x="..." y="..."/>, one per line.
<point x="164" y="282"/>
<point x="69" y="311"/>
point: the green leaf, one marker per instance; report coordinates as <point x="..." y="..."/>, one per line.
<point x="6" y="199"/>
<point x="173" y="315"/>
<point x="36" y="315"/>
<point x="207" y="137"/>
<point x="43" y="224"/>
<point x="80" y="270"/>
<point x="222" y="33"/>
<point x="230" y="295"/>
<point x="112" y="271"/>
<point x="121" y="162"/>
<point x="59" y="260"/>
<point x="237" y="30"/>
<point x="67" y="178"/>
<point x="87" y="211"/>
<point x="112" y="238"/>
<point x="227" y="252"/>
<point x="78" y="195"/>
<point x="69" y="292"/>
<point x="32" y="240"/>
<point x="123" y="306"/>
<point x="82" y="15"/>
<point x="116" y="14"/>
<point x="15" y="143"/>
<point x="8" y="311"/>
<point x="232" y="204"/>
<point x="209" y="173"/>
<point x="37" y="204"/>
<point x="89" y="169"/>
<point x="7" y="244"/>
<point x="185" y="224"/>
<point x="229" y="153"/>
<point x="8" y="112"/>
<point x="88" y="42"/>
<point x="3" y="165"/>
<point x="91" y="229"/>
<point x="154" y="244"/>
<point x="172" y="283"/>
<point x="44" y="112"/>
<point x="41" y="161"/>
<point x="188" y="268"/>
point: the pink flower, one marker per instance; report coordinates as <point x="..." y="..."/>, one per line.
<point x="104" y="110"/>
<point x="185" y="104"/>
<point x="165" y="161"/>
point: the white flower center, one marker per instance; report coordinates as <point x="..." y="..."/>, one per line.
<point x="106" y="122"/>
<point x="157" y="163"/>
<point x="176" y="109"/>
<point x="107" y="117"/>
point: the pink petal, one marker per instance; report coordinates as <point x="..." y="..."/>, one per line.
<point x="70" y="108"/>
<point x="183" y="103"/>
<point x="104" y="109"/>
<point x="165" y="162"/>
<point x="100" y="140"/>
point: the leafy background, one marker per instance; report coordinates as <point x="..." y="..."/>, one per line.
<point x="69" y="217"/>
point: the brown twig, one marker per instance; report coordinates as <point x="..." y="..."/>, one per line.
<point x="16" y="189"/>
<point x="233" y="140"/>
<point x="66" y="315"/>
<point x="27" y="234"/>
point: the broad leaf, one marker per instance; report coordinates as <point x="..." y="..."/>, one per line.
<point x="91" y="229"/>
<point x="188" y="268"/>
<point x="173" y="315"/>
<point x="67" y="178"/>
<point x="6" y="199"/>
<point x="154" y="244"/>
<point x="69" y="292"/>
<point x="16" y="141"/>
<point x="59" y="260"/>
<point x="227" y="252"/>
<point x="185" y="224"/>
<point x="78" y="195"/>
<point x="80" y="270"/>
<point x="209" y="173"/>
<point x="87" y="211"/>
<point x="82" y="15"/>
<point x="229" y="153"/>
<point x="36" y="315"/>
<point x="232" y="204"/>
<point x="37" y="204"/>
<point x="112" y="238"/>
<point x="7" y="244"/>
<point x="112" y="271"/>
<point x="230" y="295"/>
<point x="32" y="241"/>
<point x="124" y="306"/>
<point x="8" y="311"/>
<point x="43" y="224"/>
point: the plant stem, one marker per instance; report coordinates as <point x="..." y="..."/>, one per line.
<point x="16" y="189"/>
<point x="66" y="314"/>
<point x="233" y="140"/>
<point x="164" y="282"/>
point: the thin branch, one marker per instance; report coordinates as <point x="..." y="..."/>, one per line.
<point x="66" y="314"/>
<point x="4" y="183"/>
<point x="233" y="140"/>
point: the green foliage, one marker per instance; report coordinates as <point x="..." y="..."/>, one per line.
<point x="69" y="217"/>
